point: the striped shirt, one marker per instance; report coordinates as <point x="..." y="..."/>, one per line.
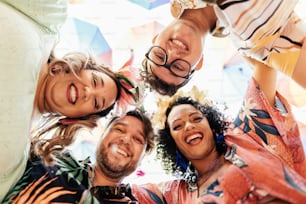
<point x="266" y="30"/>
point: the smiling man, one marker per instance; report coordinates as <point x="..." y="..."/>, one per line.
<point x="122" y="146"/>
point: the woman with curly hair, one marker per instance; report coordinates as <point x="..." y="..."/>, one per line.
<point x="257" y="158"/>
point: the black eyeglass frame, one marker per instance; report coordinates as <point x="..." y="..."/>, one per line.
<point x="168" y="66"/>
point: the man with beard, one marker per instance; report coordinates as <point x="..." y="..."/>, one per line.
<point x="124" y="143"/>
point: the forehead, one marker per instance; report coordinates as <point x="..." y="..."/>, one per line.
<point x="181" y="110"/>
<point x="130" y="122"/>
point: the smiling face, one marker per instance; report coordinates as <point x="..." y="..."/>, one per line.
<point x="191" y="132"/>
<point x="181" y="40"/>
<point x="122" y="147"/>
<point x="68" y="95"/>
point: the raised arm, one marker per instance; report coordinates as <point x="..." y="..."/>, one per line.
<point x="266" y="78"/>
<point x="266" y="117"/>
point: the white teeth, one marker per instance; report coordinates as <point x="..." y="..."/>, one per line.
<point x="115" y="149"/>
<point x="195" y="136"/>
<point x="179" y="43"/>
<point x="123" y="153"/>
<point x="72" y="94"/>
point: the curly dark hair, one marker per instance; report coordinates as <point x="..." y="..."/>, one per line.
<point x="166" y="147"/>
<point x="157" y="84"/>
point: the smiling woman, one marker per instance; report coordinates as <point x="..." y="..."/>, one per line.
<point x="76" y="91"/>
<point x="76" y="86"/>
<point x="30" y="74"/>
<point x="213" y="155"/>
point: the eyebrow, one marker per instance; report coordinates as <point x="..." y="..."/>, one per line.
<point x="125" y="125"/>
<point x="102" y="81"/>
<point x="191" y="114"/>
<point x="102" y="85"/>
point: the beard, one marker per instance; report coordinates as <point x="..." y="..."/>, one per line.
<point x="112" y="168"/>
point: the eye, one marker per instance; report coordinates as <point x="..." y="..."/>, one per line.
<point x="177" y="67"/>
<point x="177" y="126"/>
<point x="96" y="104"/>
<point x="159" y="57"/>
<point x="197" y="119"/>
<point x="94" y="80"/>
<point x="138" y="140"/>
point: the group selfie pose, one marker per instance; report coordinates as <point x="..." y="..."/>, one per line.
<point x="255" y="157"/>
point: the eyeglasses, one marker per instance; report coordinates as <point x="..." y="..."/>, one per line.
<point x="178" y="67"/>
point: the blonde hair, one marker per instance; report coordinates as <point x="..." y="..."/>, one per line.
<point x="63" y="136"/>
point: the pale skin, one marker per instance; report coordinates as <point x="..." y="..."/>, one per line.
<point x="202" y="21"/>
<point x="182" y="39"/>
<point x="65" y="94"/>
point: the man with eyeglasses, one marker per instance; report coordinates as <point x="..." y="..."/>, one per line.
<point x="268" y="31"/>
<point x="171" y="61"/>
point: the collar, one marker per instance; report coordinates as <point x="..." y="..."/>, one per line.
<point x="111" y="192"/>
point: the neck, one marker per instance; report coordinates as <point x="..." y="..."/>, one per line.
<point x="39" y="102"/>
<point x="100" y="179"/>
<point x="205" y="18"/>
<point x="209" y="169"/>
<point x="107" y="189"/>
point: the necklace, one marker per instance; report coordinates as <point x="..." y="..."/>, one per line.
<point x="111" y="192"/>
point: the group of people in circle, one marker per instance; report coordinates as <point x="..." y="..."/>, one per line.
<point x="256" y="157"/>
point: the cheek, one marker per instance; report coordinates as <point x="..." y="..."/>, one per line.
<point x="175" y="135"/>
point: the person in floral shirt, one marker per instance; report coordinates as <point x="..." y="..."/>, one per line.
<point x="65" y="180"/>
<point x="258" y="157"/>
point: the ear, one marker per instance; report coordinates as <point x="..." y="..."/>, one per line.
<point x="154" y="38"/>
<point x="200" y="63"/>
<point x="54" y="68"/>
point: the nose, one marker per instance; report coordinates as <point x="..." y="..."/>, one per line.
<point x="126" y="138"/>
<point x="189" y="126"/>
<point x="87" y="93"/>
<point x="175" y="52"/>
<point x="91" y="92"/>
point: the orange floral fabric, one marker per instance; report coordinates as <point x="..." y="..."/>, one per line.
<point x="266" y="154"/>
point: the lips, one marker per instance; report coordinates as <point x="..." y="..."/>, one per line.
<point x="194" y="138"/>
<point x="72" y="94"/>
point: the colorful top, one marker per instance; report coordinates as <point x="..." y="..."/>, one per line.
<point x="69" y="181"/>
<point x="29" y="30"/>
<point x="263" y="140"/>
<point x="266" y="30"/>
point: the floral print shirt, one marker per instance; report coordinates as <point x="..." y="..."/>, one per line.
<point x="67" y="181"/>
<point x="266" y="153"/>
<point x="266" y="30"/>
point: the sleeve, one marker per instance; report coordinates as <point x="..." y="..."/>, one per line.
<point x="26" y="42"/>
<point x="172" y="191"/>
<point x="177" y="7"/>
<point x="49" y="14"/>
<point x="148" y="193"/>
<point x="273" y="127"/>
